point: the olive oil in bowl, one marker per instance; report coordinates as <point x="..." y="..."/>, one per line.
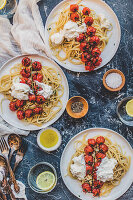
<point x="49" y="139"/>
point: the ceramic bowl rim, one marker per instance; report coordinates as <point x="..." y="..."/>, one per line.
<point x="55" y="173"/>
<point x="52" y="148"/>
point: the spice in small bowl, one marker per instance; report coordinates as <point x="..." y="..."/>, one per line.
<point x="77" y="107"/>
<point x="113" y="80"/>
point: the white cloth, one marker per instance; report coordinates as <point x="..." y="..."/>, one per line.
<point x="21" y="194"/>
<point x="25" y="36"/>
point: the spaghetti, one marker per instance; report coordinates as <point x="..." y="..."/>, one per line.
<point x="114" y="151"/>
<point x="49" y="76"/>
<point x="71" y="49"/>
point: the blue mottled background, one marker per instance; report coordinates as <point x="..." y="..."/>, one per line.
<point x="102" y="104"/>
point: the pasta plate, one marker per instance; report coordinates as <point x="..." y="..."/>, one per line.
<point x="10" y="116"/>
<point x="75" y="186"/>
<point x="98" y="6"/>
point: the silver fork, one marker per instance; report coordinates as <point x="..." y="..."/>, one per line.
<point x="5" y="151"/>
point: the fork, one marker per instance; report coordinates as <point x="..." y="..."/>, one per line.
<point x="5" y="151"/>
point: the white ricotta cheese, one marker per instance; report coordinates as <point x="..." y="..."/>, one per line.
<point x="46" y="90"/>
<point x="20" y="90"/>
<point x="103" y="21"/>
<point x="105" y="169"/>
<point x="78" y="168"/>
<point x="70" y="31"/>
<point x="57" y="38"/>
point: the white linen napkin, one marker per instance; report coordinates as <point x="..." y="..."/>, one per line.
<point x="25" y="36"/>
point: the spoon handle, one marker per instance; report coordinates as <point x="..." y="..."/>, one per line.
<point x="10" y="155"/>
<point x="8" y="189"/>
<point x="16" y="187"/>
<point x="3" y="196"/>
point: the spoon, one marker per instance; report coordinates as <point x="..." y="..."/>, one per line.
<point x="4" y="183"/>
<point x="14" y="142"/>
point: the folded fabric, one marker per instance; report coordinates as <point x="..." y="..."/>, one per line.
<point x="25" y="36"/>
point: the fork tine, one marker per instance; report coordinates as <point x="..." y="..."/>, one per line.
<point x="5" y="144"/>
<point x="1" y="145"/>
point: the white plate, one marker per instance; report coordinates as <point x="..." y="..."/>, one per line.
<point x="10" y="116"/>
<point x="100" y="7"/>
<point x="75" y="186"/>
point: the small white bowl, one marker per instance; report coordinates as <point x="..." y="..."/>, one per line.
<point x="51" y="148"/>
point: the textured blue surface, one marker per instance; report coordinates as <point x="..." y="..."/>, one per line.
<point x="102" y="104"/>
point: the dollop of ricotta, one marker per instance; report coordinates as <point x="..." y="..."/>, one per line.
<point x="57" y="38"/>
<point x="105" y="169"/>
<point x="78" y="168"/>
<point x="46" y="90"/>
<point x="70" y="31"/>
<point x="20" y="90"/>
<point x="103" y="21"/>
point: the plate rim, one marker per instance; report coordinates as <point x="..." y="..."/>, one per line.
<point x="67" y="92"/>
<point x="80" y="133"/>
<point x="83" y="70"/>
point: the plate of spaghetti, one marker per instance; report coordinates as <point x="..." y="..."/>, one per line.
<point x="96" y="163"/>
<point x="82" y="35"/>
<point x="33" y="92"/>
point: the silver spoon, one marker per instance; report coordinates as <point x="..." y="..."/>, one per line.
<point x="14" y="142"/>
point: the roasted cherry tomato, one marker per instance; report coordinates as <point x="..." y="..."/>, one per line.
<point x="74" y="7"/>
<point x="20" y="103"/>
<point x="74" y="17"/>
<point x="95" y="192"/>
<point x="88" y="149"/>
<point x="81" y="37"/>
<point x="91" y="31"/>
<point x="98" y="184"/>
<point x="97" y="61"/>
<point x="86" y="187"/>
<point x="88" y="21"/>
<point x="89" y="169"/>
<point x="37" y="76"/>
<point x="103" y="148"/>
<point x="92" y="142"/>
<point x="32" y="97"/>
<point x="37" y="88"/>
<point x="88" y="159"/>
<point x="84" y="46"/>
<point x="20" y="114"/>
<point x="95" y="175"/>
<point x="96" y="52"/>
<point x="40" y="99"/>
<point x="25" y="72"/>
<point x="85" y="57"/>
<point x="100" y="155"/>
<point x="86" y="11"/>
<point x="100" y="140"/>
<point x="89" y="66"/>
<point x="28" y="113"/>
<point x="26" y="61"/>
<point x="94" y="40"/>
<point x="97" y="164"/>
<point x="26" y="81"/>
<point x="38" y="110"/>
<point x="12" y="106"/>
<point x="36" y="66"/>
